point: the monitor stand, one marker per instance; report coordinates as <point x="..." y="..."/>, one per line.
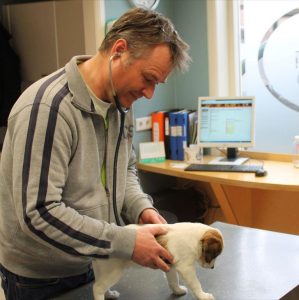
<point x="230" y="159"/>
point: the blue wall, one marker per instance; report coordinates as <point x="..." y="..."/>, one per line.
<point x="181" y="91"/>
<point x="190" y="19"/>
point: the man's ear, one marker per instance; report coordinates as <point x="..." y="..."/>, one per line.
<point x="119" y="46"/>
<point x="212" y="245"/>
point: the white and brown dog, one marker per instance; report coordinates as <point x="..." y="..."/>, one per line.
<point x="187" y="242"/>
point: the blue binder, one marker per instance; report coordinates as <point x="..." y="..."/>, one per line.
<point x="167" y="132"/>
<point x="182" y="132"/>
<point x="173" y="123"/>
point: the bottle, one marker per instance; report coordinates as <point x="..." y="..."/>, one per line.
<point x="192" y="154"/>
<point x="296" y="151"/>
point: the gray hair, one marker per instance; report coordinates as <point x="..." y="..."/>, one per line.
<point x="143" y="29"/>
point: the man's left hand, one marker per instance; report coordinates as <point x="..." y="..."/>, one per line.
<point x="150" y="216"/>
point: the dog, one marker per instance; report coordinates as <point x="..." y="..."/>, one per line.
<point x="187" y="242"/>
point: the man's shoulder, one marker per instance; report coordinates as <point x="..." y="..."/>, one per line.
<point x="43" y="91"/>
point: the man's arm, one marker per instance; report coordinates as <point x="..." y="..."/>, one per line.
<point x="40" y="175"/>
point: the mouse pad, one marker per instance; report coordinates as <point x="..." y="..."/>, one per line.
<point x="292" y="295"/>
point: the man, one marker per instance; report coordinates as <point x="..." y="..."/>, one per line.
<point x="56" y="208"/>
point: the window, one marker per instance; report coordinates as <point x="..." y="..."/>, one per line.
<point x="269" y="51"/>
<point x="261" y="49"/>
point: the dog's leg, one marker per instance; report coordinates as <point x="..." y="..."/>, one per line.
<point x="188" y="273"/>
<point x="173" y="282"/>
<point x="107" y="272"/>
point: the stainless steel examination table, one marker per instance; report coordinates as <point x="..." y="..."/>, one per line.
<point x="255" y="265"/>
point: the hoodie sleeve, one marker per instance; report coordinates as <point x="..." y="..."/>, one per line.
<point x="41" y="141"/>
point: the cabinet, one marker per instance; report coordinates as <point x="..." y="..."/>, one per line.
<point x="47" y="34"/>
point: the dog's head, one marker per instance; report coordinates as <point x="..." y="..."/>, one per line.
<point x="211" y="246"/>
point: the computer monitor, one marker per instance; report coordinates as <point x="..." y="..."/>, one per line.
<point x="226" y="122"/>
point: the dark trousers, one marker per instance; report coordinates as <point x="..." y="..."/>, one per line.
<point x="23" y="288"/>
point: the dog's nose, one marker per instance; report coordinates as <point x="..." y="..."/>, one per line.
<point x="212" y="267"/>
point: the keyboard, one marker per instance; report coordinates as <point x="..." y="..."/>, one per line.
<point x="224" y="168"/>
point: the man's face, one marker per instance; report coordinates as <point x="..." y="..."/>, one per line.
<point x="136" y="78"/>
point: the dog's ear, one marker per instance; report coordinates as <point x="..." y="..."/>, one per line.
<point x="211" y="245"/>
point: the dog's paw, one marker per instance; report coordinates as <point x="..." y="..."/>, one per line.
<point x="180" y="290"/>
<point x="206" y="296"/>
<point x="111" y="295"/>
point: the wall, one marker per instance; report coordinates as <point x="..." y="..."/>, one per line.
<point x="191" y="22"/>
<point x="2" y="2"/>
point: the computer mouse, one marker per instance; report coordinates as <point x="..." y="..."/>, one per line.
<point x="260" y="173"/>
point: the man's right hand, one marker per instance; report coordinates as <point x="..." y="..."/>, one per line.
<point x="148" y="252"/>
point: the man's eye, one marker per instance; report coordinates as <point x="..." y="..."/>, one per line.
<point x="150" y="80"/>
<point x="147" y="79"/>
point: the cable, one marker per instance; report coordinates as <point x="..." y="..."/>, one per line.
<point x="122" y="112"/>
<point x="121" y="130"/>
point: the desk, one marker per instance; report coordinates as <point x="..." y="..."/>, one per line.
<point x="270" y="202"/>
<point x="255" y="265"/>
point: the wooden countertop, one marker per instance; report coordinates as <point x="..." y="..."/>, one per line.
<point x="281" y="174"/>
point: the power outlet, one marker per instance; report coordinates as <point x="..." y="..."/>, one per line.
<point x="144" y="123"/>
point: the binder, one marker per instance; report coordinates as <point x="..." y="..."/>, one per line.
<point x="185" y="128"/>
<point x="173" y="146"/>
<point x="158" y="132"/>
<point x="192" y="127"/>
<point x="167" y="132"/>
<point x="182" y="132"/>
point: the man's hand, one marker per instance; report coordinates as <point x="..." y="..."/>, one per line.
<point x="150" y="216"/>
<point x="148" y="252"/>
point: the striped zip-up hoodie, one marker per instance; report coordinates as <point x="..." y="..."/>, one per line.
<point x="55" y="213"/>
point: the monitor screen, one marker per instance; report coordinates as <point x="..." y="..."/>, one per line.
<point x="226" y="121"/>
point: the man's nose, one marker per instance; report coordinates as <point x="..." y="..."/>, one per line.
<point x="148" y="92"/>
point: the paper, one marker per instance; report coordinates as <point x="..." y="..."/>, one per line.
<point x="151" y="152"/>
<point x="179" y="165"/>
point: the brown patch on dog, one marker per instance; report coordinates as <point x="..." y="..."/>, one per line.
<point x="212" y="245"/>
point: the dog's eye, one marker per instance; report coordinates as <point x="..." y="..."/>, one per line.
<point x="208" y="257"/>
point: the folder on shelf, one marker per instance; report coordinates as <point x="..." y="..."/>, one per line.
<point x="167" y="132"/>
<point x="185" y="118"/>
<point x="186" y="122"/>
<point x="193" y="135"/>
<point x="172" y="127"/>
<point x="192" y="127"/>
<point x="158" y="132"/>
<point x="182" y="133"/>
<point x="173" y="147"/>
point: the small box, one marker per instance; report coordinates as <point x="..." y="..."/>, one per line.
<point x="151" y="152"/>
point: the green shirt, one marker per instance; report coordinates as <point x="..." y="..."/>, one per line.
<point x="102" y="110"/>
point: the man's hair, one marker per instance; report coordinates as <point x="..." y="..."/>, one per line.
<point x="143" y="29"/>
